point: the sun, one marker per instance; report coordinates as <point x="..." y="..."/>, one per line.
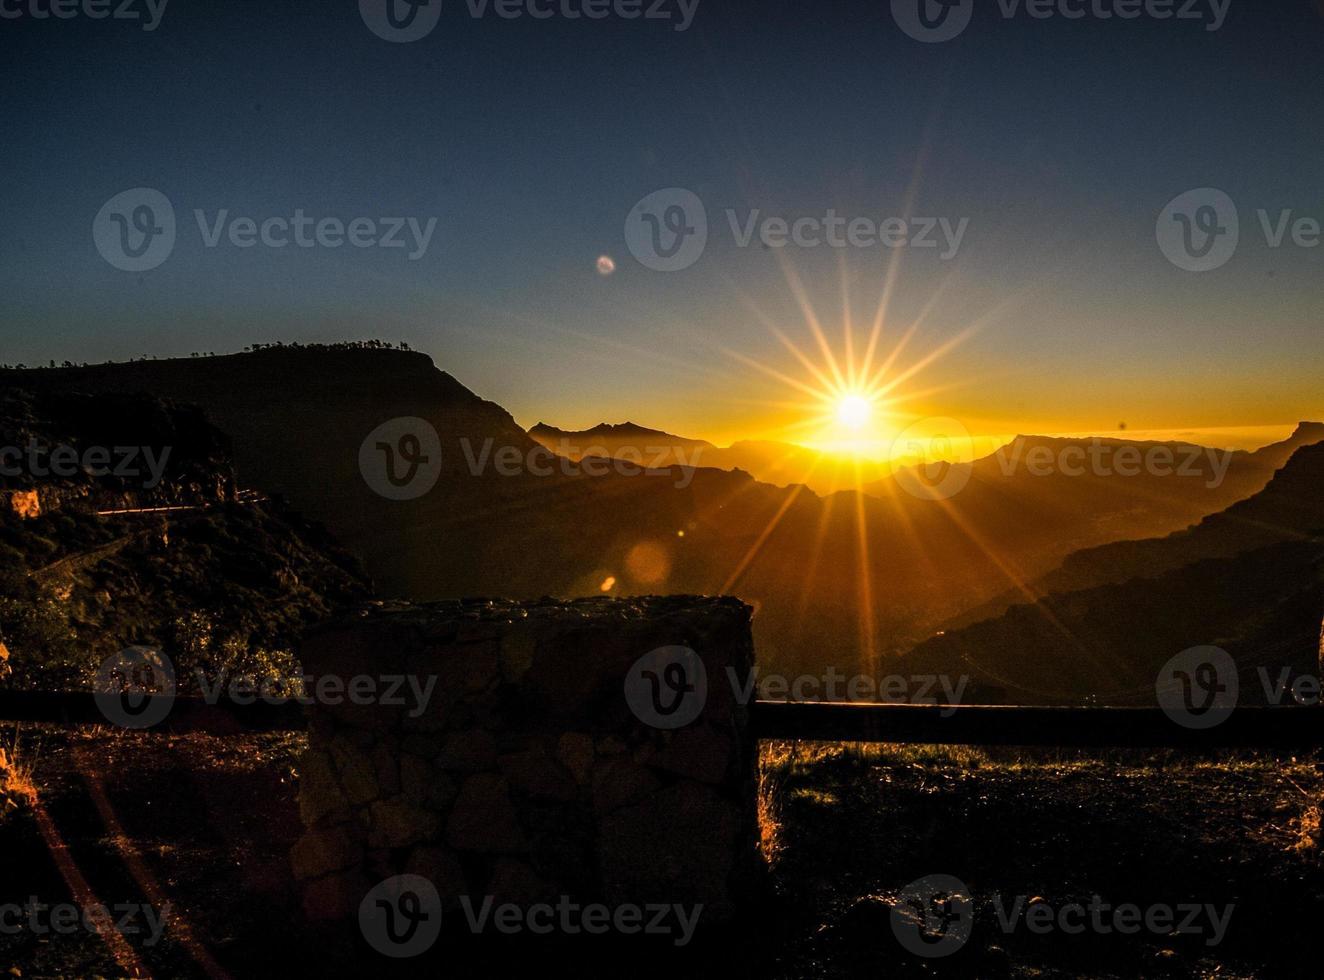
<point x="854" y="411"/>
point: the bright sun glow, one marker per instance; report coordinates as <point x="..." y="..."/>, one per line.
<point x="853" y="411"/>
<point x="858" y="404"/>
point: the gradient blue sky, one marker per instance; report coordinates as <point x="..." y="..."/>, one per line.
<point x="529" y="141"/>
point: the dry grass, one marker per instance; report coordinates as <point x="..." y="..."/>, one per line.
<point x="785" y="768"/>
<point x="1306" y="829"/>
<point x="793" y="770"/>
<point x="17" y="788"/>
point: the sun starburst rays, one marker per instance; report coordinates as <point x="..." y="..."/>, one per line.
<point x="850" y="401"/>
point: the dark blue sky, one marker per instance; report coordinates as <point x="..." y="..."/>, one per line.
<point x="529" y="141"/>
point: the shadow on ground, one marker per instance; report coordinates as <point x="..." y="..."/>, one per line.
<point x="205" y="824"/>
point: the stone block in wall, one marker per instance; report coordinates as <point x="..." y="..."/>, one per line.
<point x="527" y="773"/>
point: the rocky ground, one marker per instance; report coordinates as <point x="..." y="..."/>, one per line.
<point x="850" y="826"/>
<point x="205" y="823"/>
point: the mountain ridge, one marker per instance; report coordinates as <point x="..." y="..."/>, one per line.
<point x="1250" y="578"/>
<point x="850" y="578"/>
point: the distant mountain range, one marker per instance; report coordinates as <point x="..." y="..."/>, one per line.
<point x="1249" y="579"/>
<point x="1031" y="503"/>
<point x="781" y="464"/>
<point x="848" y="579"/>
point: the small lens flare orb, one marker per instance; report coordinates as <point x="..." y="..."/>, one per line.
<point x="606" y="265"/>
<point x="853" y="411"/>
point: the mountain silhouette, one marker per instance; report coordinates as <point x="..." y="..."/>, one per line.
<point x="781" y="464"/>
<point x="1249" y="579"/>
<point x="846" y="579"/>
<point x="1245" y="525"/>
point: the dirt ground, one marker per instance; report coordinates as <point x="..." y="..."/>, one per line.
<point x="201" y="826"/>
<point x="851" y="826"/>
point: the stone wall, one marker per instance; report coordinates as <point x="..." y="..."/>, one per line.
<point x="536" y="769"/>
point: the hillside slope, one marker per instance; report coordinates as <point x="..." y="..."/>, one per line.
<point x="1250" y="580"/>
<point x="1247" y="524"/>
<point x="217" y="581"/>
